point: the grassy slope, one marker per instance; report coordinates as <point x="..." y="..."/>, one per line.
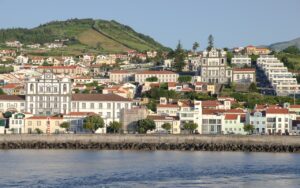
<point x="87" y="35"/>
<point x="126" y="35"/>
<point x="93" y="38"/>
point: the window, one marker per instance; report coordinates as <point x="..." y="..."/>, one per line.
<point x="83" y="105"/>
<point x="126" y="106"/>
<point x="74" y="104"/>
<point x="92" y="105"/>
<point x="118" y="114"/>
<point x="100" y="106"/>
<point x="108" y="105"/>
<point x="29" y="123"/>
<point x="31" y="87"/>
<point x="118" y="105"/>
<point x="108" y="114"/>
<point x="48" y="89"/>
<point x="56" y="123"/>
<point x="55" y="89"/>
<point x="41" y="89"/>
<point x="39" y="123"/>
<point x="65" y="87"/>
<point x="279" y="119"/>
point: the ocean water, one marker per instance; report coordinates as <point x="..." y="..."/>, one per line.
<point x="85" y="168"/>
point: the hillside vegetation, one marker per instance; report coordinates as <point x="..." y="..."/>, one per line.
<point x="84" y="34"/>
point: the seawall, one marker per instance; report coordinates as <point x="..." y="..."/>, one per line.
<point x="153" y="142"/>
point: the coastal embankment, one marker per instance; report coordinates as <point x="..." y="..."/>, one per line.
<point x="153" y="142"/>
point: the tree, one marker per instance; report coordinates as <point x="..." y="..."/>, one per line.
<point x="145" y="125"/>
<point x="7" y="114"/>
<point x="249" y="128"/>
<point x="195" y="46"/>
<point x="184" y="79"/>
<point x="65" y="125"/>
<point x="252" y="87"/>
<point x="38" y="131"/>
<point x="292" y="50"/>
<point x="179" y="57"/>
<point x="2" y="92"/>
<point x="152" y="79"/>
<point x="210" y="42"/>
<point x="93" y="123"/>
<point x="167" y="126"/>
<point x="190" y="126"/>
<point x="114" y="127"/>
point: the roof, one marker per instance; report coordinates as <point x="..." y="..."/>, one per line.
<point x="210" y="103"/>
<point x="57" y="67"/>
<point x="12" y="97"/>
<point x="235" y="111"/>
<point x="244" y="70"/>
<point x="44" y="117"/>
<point x="157" y="117"/>
<point x="231" y="116"/>
<point x="167" y="106"/>
<point x="212" y="111"/>
<point x="172" y="84"/>
<point x="277" y="111"/>
<point x="295" y="106"/>
<point x="119" y="72"/>
<point x="81" y="113"/>
<point x="155" y="72"/>
<point x="9" y="86"/>
<point x="98" y="97"/>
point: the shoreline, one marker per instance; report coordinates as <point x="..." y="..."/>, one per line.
<point x="286" y="144"/>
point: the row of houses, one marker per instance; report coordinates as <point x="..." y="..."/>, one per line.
<point x="282" y="81"/>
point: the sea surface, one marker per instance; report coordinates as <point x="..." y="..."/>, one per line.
<point x="85" y="168"/>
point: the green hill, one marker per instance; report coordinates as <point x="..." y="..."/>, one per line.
<point x="85" y="35"/>
<point x="282" y="45"/>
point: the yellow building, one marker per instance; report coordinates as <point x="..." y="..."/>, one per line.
<point x="211" y="88"/>
<point x="44" y="124"/>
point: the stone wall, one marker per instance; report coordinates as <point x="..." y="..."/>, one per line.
<point x="153" y="142"/>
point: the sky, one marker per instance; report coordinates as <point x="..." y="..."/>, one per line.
<point x="233" y="23"/>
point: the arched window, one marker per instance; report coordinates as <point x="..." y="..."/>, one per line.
<point x="31" y="87"/>
<point x="65" y="87"/>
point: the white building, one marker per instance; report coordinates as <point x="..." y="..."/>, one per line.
<point x="48" y="95"/>
<point x="281" y="80"/>
<point x="241" y="60"/>
<point x="213" y="67"/>
<point x="279" y="121"/>
<point x="244" y="75"/>
<point x="108" y="106"/>
<point x="162" y="76"/>
<point x="233" y="124"/>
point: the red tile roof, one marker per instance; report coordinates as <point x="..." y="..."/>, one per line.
<point x="172" y="84"/>
<point x="210" y="103"/>
<point x="9" y="86"/>
<point x="44" y="117"/>
<point x="12" y="97"/>
<point x="277" y="111"/>
<point x="295" y="106"/>
<point x="98" y="97"/>
<point x="57" y="67"/>
<point x="244" y="70"/>
<point x="231" y="116"/>
<point x="81" y="113"/>
<point x="167" y="106"/>
<point x="212" y="111"/>
<point x="155" y="72"/>
<point x="119" y="72"/>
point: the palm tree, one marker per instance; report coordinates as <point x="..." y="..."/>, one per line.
<point x="195" y="46"/>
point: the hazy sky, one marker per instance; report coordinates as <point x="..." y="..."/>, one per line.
<point x="232" y="22"/>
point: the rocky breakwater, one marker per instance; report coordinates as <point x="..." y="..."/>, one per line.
<point x="153" y="142"/>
